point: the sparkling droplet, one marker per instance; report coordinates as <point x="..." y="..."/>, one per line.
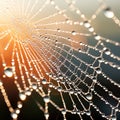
<point x="46" y="115"/>
<point x="28" y="92"/>
<point x="100" y="60"/>
<point x="63" y="111"/>
<point x="108" y="13"/>
<point x="94" y="79"/>
<point x="92" y="88"/>
<point x="89" y="96"/>
<point x="4" y="64"/>
<point x="97" y="37"/>
<point x="8" y="71"/>
<point x="13" y="63"/>
<point x="98" y="71"/>
<point x="87" y="24"/>
<point x="88" y="113"/>
<point x="116" y="43"/>
<point x="22" y="96"/>
<point x="110" y="93"/>
<point x="81" y="43"/>
<point x="46" y="98"/>
<point x="107" y="52"/>
<point x="14" y="115"/>
<point x="17" y="111"/>
<point x="19" y="104"/>
<point x="44" y="81"/>
<point x="91" y="29"/>
<point x="60" y="77"/>
<point x="71" y="91"/>
<point x="67" y="21"/>
<point x="50" y="85"/>
<point x="31" y="68"/>
<point x="78" y="11"/>
<point x="59" y="88"/>
<point x="74" y="112"/>
<point x="34" y="86"/>
<point x="73" y="33"/>
<point x="78" y="112"/>
<point x="50" y="75"/>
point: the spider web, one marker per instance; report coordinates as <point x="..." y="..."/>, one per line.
<point x="55" y="49"/>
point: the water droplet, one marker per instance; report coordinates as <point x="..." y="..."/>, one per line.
<point x="89" y="96"/>
<point x="31" y="68"/>
<point x="4" y="64"/>
<point x="71" y="91"/>
<point x="98" y="71"/>
<point x="110" y="93"/>
<point x="78" y="112"/>
<point x="46" y="98"/>
<point x="92" y="88"/>
<point x="108" y="13"/>
<point x="19" y="104"/>
<point x="60" y="77"/>
<point x="46" y="115"/>
<point x="34" y="86"/>
<point x="94" y="79"/>
<point x="67" y="21"/>
<point x="100" y="60"/>
<point x="17" y="111"/>
<point x="14" y="115"/>
<point x="74" y="112"/>
<point x="8" y="71"/>
<point x="28" y="92"/>
<point x="13" y="63"/>
<point x="97" y="37"/>
<point x="88" y="113"/>
<point x="22" y="96"/>
<point x="91" y="29"/>
<point x="50" y="85"/>
<point x="87" y="24"/>
<point x="107" y="52"/>
<point x="78" y="11"/>
<point x="50" y="75"/>
<point x="63" y="111"/>
<point x="59" y="88"/>
<point x="117" y="44"/>
<point x="73" y="32"/>
<point x="114" y="65"/>
<point x="44" y="81"/>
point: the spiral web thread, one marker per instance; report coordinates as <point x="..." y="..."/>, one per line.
<point x="55" y="49"/>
